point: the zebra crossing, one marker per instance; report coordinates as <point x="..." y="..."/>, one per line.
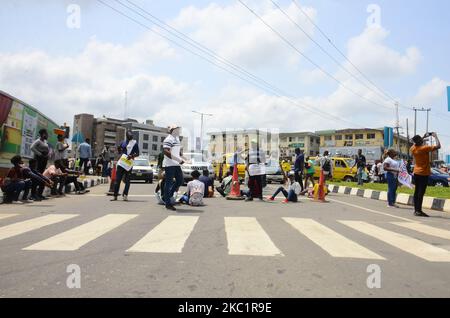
<point x="245" y="236"/>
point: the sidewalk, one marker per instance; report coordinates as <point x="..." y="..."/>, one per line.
<point x="442" y="205"/>
<point x="88" y="182"/>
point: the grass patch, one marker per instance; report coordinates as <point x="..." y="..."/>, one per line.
<point x="436" y="192"/>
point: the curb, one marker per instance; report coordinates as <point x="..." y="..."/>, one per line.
<point x="71" y="188"/>
<point x="442" y="205"/>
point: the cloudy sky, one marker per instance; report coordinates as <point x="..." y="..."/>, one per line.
<point x="63" y="65"/>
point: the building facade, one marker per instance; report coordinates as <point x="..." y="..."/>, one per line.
<point x="308" y="142"/>
<point x="109" y="133"/>
<point x="225" y="142"/>
<point x="347" y="142"/>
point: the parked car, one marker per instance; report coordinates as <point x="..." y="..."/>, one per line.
<point x="142" y="170"/>
<point x="273" y="172"/>
<point x="342" y="169"/>
<point x="438" y="178"/>
<point x="225" y="166"/>
<point x="197" y="162"/>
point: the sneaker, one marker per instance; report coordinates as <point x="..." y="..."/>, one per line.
<point x="285" y="201"/>
<point x="271" y="198"/>
<point x="26" y="201"/>
<point x="114" y="199"/>
<point x="170" y="207"/>
<point x="421" y="214"/>
<point x="248" y="199"/>
<point x="36" y="198"/>
<point x="125" y="197"/>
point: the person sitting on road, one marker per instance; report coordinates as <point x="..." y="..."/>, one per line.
<point x="195" y="191"/>
<point x="54" y="173"/>
<point x="293" y="186"/>
<point x="209" y="184"/>
<point x="72" y="177"/>
<point x="225" y="187"/>
<point x="38" y="184"/>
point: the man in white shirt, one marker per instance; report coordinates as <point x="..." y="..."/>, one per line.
<point x="172" y="164"/>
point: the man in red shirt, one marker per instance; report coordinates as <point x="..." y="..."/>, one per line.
<point x="422" y="169"/>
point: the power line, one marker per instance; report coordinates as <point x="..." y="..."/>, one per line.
<point x="213" y="62"/>
<point x="324" y="50"/>
<point x="309" y="59"/>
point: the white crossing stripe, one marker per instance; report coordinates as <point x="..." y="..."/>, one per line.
<point x="77" y="237"/>
<point x="246" y="237"/>
<point x="169" y="236"/>
<point x="405" y="243"/>
<point x="5" y="216"/>
<point x="332" y="242"/>
<point x="426" y="229"/>
<point x="32" y="224"/>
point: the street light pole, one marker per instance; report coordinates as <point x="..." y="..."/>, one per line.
<point x="202" y="115"/>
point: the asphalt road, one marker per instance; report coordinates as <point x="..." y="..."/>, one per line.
<point x="224" y="249"/>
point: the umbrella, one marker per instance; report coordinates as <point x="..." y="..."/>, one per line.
<point x="78" y="138"/>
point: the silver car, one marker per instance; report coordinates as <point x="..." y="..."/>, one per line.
<point x="196" y="162"/>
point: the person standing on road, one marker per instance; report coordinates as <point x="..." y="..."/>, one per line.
<point x="422" y="169"/>
<point x="326" y="165"/>
<point x="255" y="165"/>
<point x="299" y="166"/>
<point x="309" y="166"/>
<point x="41" y="150"/>
<point x="172" y="164"/>
<point x="360" y="163"/>
<point x="129" y="150"/>
<point x="85" y="155"/>
<point x="392" y="168"/>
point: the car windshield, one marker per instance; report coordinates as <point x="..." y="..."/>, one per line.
<point x="141" y="163"/>
<point x="194" y="157"/>
<point x="350" y="162"/>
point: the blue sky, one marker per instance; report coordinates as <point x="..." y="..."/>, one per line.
<point x="63" y="71"/>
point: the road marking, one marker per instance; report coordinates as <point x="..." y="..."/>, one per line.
<point x="169" y="236"/>
<point x="370" y="210"/>
<point x="77" y="237"/>
<point x="33" y="224"/>
<point x="426" y="229"/>
<point x="332" y="242"/>
<point x="5" y="216"/>
<point x="246" y="237"/>
<point x="405" y="243"/>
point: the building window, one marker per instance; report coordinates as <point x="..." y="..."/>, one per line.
<point x="370" y="136"/>
<point x="146" y="137"/>
<point x="145" y="146"/>
<point x="161" y="148"/>
<point x="155" y="138"/>
<point x="311" y="140"/>
<point x="162" y="139"/>
<point x="155" y="147"/>
<point x="328" y="138"/>
<point x="291" y="139"/>
<point x="348" y="137"/>
<point x="311" y="153"/>
<point x="359" y="136"/>
<point x="338" y="137"/>
<point x="213" y="137"/>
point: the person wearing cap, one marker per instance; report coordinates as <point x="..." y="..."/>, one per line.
<point x="130" y="148"/>
<point x="422" y="169"/>
<point x="172" y="164"/>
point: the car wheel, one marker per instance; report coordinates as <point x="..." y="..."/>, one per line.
<point x="439" y="184"/>
<point x="348" y="179"/>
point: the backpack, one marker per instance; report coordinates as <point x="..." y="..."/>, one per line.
<point x="326" y="165"/>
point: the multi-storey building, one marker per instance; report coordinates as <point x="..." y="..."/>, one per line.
<point x="346" y="143"/>
<point x="307" y="141"/>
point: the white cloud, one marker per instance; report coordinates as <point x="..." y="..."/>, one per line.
<point x="236" y="34"/>
<point x="433" y="92"/>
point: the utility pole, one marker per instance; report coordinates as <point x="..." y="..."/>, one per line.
<point x="407" y="135"/>
<point x="125" y="105"/>
<point x="201" y="127"/>
<point x="415" y="117"/>
<point x="397" y="127"/>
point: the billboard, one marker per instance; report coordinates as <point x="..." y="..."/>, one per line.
<point x="388" y="137"/>
<point x="19" y="127"/>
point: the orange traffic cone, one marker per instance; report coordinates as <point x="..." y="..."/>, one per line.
<point x="319" y="191"/>
<point x="235" y="193"/>
<point x="113" y="180"/>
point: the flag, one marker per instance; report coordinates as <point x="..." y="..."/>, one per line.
<point x="404" y="177"/>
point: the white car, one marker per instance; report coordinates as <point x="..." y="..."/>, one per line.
<point x="196" y="162"/>
<point x="273" y="172"/>
<point x="142" y="170"/>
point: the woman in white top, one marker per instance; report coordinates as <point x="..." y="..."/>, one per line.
<point x="392" y="168"/>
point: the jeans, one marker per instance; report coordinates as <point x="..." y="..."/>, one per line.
<point x="309" y="176"/>
<point x="421" y="183"/>
<point x="392" y="187"/>
<point x="58" y="185"/>
<point x="359" y="176"/>
<point x="290" y="196"/>
<point x="176" y="173"/>
<point x="122" y="174"/>
<point x="41" y="163"/>
<point x="14" y="189"/>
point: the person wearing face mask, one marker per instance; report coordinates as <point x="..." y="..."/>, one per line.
<point x="172" y="164"/>
<point x="129" y="150"/>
